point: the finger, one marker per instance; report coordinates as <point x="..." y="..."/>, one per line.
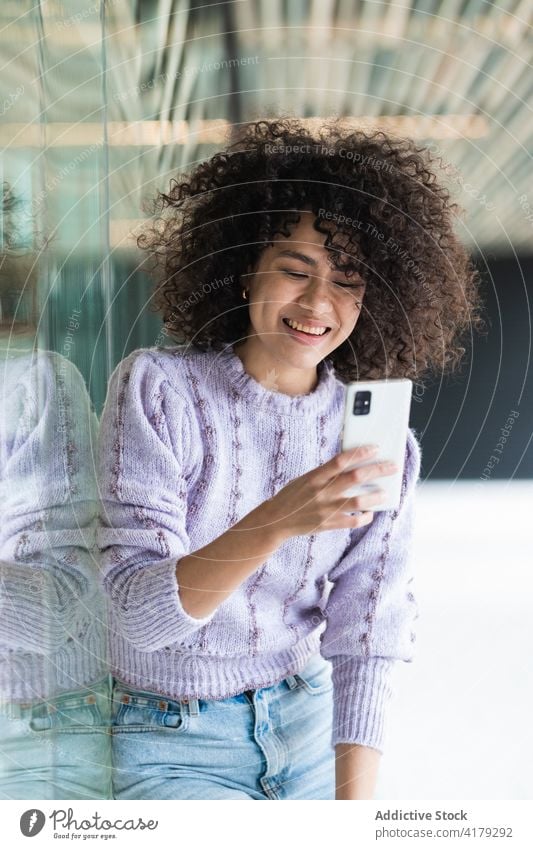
<point x="346" y="521"/>
<point x="361" y="519"/>
<point x="341" y="509"/>
<point x="341" y="462"/>
<point x="362" y="502"/>
<point x="358" y="449"/>
<point x="365" y="473"/>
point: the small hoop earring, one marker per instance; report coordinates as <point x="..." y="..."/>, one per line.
<point x="245" y="294"/>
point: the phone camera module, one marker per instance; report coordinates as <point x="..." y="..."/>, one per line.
<point x="361" y="404"/>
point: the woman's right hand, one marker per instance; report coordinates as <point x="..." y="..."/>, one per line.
<point x="317" y="502"/>
<point x="310" y="503"/>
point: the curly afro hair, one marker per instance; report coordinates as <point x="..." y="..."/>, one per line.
<point x="385" y="216"/>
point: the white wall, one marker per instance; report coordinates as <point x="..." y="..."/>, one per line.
<point x="462" y="723"/>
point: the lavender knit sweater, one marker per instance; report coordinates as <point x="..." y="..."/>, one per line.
<point x="52" y="635"/>
<point x="190" y="443"/>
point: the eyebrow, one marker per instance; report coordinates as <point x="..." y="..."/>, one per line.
<point x="302" y="257"/>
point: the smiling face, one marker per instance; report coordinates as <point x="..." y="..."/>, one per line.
<point x="301" y="308"/>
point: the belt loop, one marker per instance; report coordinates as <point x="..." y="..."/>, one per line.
<point x="194" y="708"/>
<point x="291" y="682"/>
<point x="12" y="710"/>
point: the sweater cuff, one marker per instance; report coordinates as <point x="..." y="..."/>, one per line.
<point x="362" y="690"/>
<point x="150" y="609"/>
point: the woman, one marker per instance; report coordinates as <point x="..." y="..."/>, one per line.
<point x="257" y="613"/>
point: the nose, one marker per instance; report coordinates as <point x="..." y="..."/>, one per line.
<point x="316" y="296"/>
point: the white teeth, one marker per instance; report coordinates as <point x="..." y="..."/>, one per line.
<point x="314" y="331"/>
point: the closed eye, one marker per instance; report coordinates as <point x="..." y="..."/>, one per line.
<point x="300" y="274"/>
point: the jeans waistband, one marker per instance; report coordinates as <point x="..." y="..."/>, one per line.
<point x="97" y="692"/>
<point x="192" y="704"/>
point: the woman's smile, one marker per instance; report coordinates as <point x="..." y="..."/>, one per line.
<point x="306" y="332"/>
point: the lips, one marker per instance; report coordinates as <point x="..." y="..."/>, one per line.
<point x="306" y="327"/>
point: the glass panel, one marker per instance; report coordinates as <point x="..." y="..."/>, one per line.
<point x="54" y="683"/>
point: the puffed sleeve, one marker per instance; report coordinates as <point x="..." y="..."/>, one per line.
<point x="370" y="614"/>
<point x="142" y="531"/>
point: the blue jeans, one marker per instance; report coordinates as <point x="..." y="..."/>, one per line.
<point x="58" y="748"/>
<point x="272" y="743"/>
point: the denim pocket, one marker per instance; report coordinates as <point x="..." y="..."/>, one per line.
<point x="134" y="710"/>
<point x="74" y="714"/>
<point x="315" y="678"/>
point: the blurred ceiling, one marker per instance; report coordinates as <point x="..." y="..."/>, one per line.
<point x="121" y="94"/>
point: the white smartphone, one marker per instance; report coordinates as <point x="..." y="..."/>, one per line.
<point x="377" y="413"/>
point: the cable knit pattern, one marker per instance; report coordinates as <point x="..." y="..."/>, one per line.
<point x="52" y="621"/>
<point x="190" y="443"/>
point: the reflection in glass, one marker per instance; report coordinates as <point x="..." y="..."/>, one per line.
<point x="53" y="681"/>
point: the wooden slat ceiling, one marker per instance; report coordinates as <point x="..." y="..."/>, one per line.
<point x="180" y="74"/>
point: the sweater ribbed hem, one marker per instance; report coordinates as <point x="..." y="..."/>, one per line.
<point x="192" y="675"/>
<point x="27" y="676"/>
<point x="362" y="694"/>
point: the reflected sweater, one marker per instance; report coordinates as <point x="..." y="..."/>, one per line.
<point x="189" y="444"/>
<point x="52" y="637"/>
